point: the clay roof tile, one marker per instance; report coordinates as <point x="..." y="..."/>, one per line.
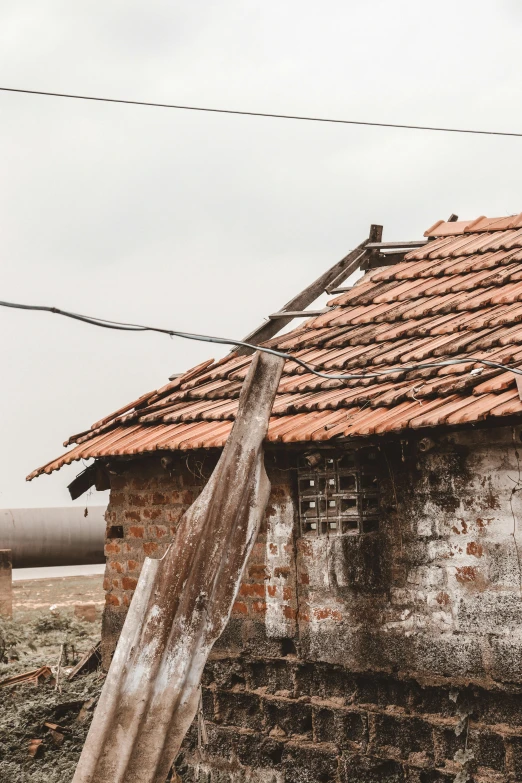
<point x="458" y="297"/>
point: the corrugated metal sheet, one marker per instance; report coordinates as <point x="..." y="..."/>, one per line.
<point x="181" y="605"/>
<point x="459" y="295"/>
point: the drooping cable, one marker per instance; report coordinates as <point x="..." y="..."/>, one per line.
<point x="260" y="113"/>
<point x="128" y="327"/>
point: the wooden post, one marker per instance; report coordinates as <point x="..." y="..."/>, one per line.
<point x="332" y="277"/>
<point x="6" y="583"/>
<point x="372" y="259"/>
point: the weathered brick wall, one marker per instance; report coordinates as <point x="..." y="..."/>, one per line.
<point x="147" y="501"/>
<point x="439" y="589"/>
<point x="388" y="656"/>
<point x="284" y="720"/>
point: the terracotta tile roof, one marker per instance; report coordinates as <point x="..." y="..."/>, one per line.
<point x="459" y="295"/>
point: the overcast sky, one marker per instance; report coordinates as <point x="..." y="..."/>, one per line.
<point x="210" y="222"/>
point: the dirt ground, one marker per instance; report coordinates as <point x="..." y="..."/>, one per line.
<point x="48" y="614"/>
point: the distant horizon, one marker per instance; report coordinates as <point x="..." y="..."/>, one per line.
<point x="73" y="504"/>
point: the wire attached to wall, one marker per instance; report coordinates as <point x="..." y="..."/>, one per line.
<point x="129" y="327"/>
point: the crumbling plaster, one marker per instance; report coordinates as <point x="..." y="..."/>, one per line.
<point x="388" y="656"/>
<point x="438" y="590"/>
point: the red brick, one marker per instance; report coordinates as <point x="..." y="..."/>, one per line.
<point x="271" y="590"/>
<point x="112" y="600"/>
<point x="305" y="547"/>
<point x="255" y="591"/>
<point x="273" y="549"/>
<point x="466" y="574"/>
<point x="159" y="499"/>
<point x="137" y="531"/>
<point x="184" y="498"/>
<point x="112" y="549"/>
<point x="133" y="549"/>
<point x="257" y="571"/>
<point x="474" y="548"/>
<point x="259" y="607"/>
<point x="325" y="614"/>
<point x="127" y="598"/>
<point x="133" y="565"/>
<point x="288" y="593"/>
<point x="117" y="499"/>
<point x="289" y="612"/>
<point x="139" y="500"/>
<point x="152" y="513"/>
<point x="305" y="579"/>
<point x="278" y="493"/>
<point x="258" y="553"/>
<point x="107" y="583"/>
<point x="132" y="516"/>
<point x="129" y="583"/>
<point x="158" y="531"/>
<point x="239" y="608"/>
<point x="282" y="571"/>
<point x="150" y="548"/>
<point x="139" y="482"/>
<point x="175" y="514"/>
<point x="115" y="565"/>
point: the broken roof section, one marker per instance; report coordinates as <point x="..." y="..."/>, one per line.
<point x="458" y="296"/>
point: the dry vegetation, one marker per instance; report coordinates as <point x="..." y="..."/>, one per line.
<point x="44" y="620"/>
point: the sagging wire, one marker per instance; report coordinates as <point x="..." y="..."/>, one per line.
<point x="245" y="113"/>
<point x="129" y="327"/>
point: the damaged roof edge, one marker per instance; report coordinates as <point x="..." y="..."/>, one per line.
<point x="456" y="299"/>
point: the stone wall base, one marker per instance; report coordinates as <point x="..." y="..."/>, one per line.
<point x="284" y="720"/>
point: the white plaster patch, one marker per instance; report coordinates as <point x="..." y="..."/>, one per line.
<point x="280" y="565"/>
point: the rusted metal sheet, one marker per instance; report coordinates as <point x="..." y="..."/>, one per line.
<point x="32" y="677"/>
<point x="181" y="606"/>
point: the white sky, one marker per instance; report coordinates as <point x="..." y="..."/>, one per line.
<point x="207" y="222"/>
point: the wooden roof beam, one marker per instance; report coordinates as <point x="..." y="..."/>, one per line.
<point x="329" y="279"/>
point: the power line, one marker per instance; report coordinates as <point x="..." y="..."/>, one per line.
<point x="260" y="113"/>
<point x="126" y="327"/>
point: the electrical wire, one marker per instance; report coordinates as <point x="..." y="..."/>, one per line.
<point x="128" y="327"/>
<point x="260" y="113"/>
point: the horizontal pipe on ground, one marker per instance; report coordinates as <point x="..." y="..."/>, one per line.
<point x="53" y="536"/>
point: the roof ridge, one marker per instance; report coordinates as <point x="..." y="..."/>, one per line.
<point x="482" y="224"/>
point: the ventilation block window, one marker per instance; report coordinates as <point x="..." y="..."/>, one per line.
<point x="339" y="495"/>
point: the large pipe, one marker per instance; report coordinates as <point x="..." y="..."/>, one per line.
<point x="53" y="536"/>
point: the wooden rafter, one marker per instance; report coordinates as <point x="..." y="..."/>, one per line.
<point x="329" y="279"/>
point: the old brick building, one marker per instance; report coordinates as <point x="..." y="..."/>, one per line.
<point x="377" y="634"/>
